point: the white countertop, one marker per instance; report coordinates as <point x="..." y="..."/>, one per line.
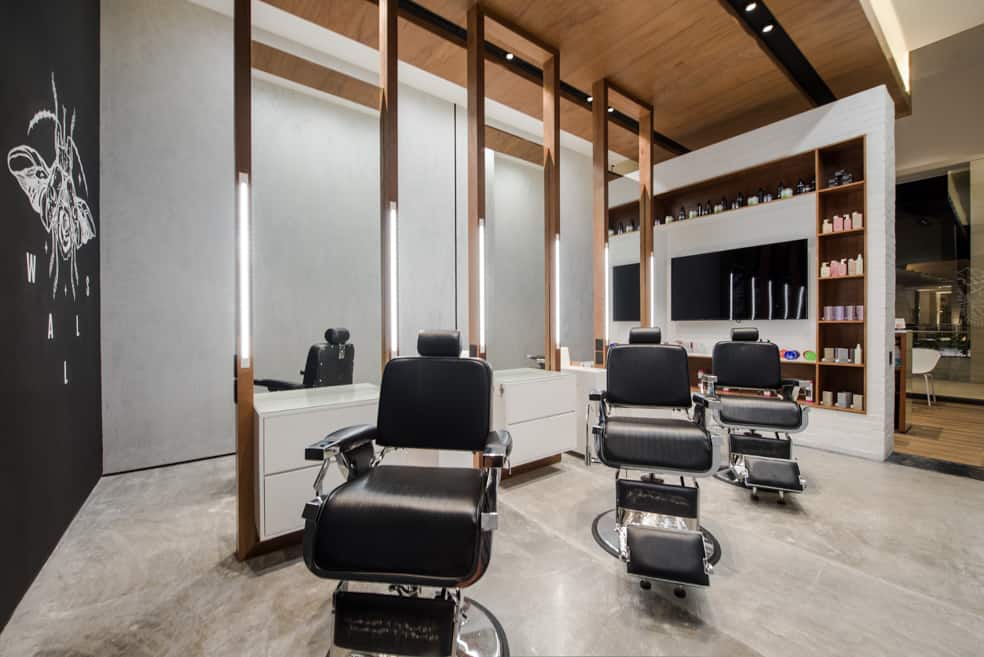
<point x="524" y="375"/>
<point x="266" y="403"/>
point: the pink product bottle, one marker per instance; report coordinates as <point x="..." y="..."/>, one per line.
<point x="847" y="222"/>
<point x="835" y="268"/>
<point x="838" y="223"/>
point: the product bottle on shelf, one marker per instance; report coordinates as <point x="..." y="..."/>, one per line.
<point x="824" y="270"/>
<point x="860" y="264"/>
<point x="857" y="354"/>
<point x="843" y="267"/>
<point x="741" y="199"/>
<point x="682" y="214"/>
<point x="827" y="227"/>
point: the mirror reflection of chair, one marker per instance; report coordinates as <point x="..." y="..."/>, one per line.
<point x="746" y="365"/>
<point x="655" y="525"/>
<point x="329" y="363"/>
<point x="412" y="537"/>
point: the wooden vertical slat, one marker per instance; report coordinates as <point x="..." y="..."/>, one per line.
<point x="551" y="202"/>
<point x="388" y="160"/>
<point x="246" y="532"/>
<point x="476" y="166"/>
<point x="599" y="143"/>
<point x="645" y="213"/>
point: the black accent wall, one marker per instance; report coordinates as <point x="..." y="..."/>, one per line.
<point x="50" y="408"/>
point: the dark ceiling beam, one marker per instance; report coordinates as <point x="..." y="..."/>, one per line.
<point x="780" y="48"/>
<point x="450" y="31"/>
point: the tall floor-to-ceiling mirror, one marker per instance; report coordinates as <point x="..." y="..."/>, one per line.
<point x="623" y="275"/>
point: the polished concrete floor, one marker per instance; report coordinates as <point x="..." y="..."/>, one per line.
<point x="875" y="559"/>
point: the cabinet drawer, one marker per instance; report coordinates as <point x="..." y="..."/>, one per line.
<point x="286" y="436"/>
<point x="284" y="496"/>
<point x="541" y="438"/>
<point x="538" y="399"/>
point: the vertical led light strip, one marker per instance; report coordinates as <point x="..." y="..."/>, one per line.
<point x="753" y="299"/>
<point x="557" y="291"/>
<point x="731" y="296"/>
<point x="393" y="278"/>
<point x="245" y="273"/>
<point x="481" y="285"/>
<point x="652" y="289"/>
<point x="607" y="306"/>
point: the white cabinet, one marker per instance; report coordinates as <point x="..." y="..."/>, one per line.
<point x="588" y="379"/>
<point x="538" y="408"/>
<point x="287" y="422"/>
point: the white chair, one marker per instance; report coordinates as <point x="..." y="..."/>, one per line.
<point x="924" y="361"/>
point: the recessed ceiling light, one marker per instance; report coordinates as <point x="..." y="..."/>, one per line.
<point x="590" y="98"/>
<point x="611" y="109"/>
<point x="751" y="6"/>
<point x="509" y="56"/>
<point x="767" y="28"/>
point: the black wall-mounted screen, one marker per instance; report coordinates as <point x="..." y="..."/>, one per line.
<point x="758" y="282"/>
<point x="625" y="283"/>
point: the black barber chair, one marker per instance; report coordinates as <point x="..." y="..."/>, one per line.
<point x="757" y="461"/>
<point x="655" y="525"/>
<point x="329" y="363"/>
<point x="404" y="540"/>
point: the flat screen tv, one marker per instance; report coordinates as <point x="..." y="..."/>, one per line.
<point x="768" y="281"/>
<point x="625" y="287"/>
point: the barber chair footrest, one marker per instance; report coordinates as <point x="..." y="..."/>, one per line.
<point x="752" y="445"/>
<point x="657" y="497"/>
<point x="773" y="474"/>
<point x="390" y="624"/>
<point x="667" y="555"/>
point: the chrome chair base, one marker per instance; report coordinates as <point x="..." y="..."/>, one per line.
<point x="605" y="532"/>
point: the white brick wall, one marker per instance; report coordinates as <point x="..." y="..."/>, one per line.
<point x="869" y="113"/>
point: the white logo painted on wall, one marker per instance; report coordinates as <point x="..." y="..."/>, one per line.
<point x="53" y="191"/>
<point x="57" y="192"/>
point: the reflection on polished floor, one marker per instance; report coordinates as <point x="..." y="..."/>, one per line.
<point x="874" y="559"/>
<point x="946" y="431"/>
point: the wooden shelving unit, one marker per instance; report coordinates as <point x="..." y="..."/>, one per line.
<point x="842" y="290"/>
<point x="815" y="165"/>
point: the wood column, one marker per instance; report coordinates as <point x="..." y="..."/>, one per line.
<point x="476" y="168"/>
<point x="599" y="143"/>
<point x="645" y="215"/>
<point x="388" y="170"/>
<point x="246" y="532"/>
<point x="551" y="207"/>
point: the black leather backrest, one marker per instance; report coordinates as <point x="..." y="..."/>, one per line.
<point x="639" y="335"/>
<point x="648" y="375"/>
<point x="747" y="365"/>
<point x="439" y="343"/>
<point x="745" y="334"/>
<point x="329" y="365"/>
<point x="435" y="402"/>
<point x="337" y="335"/>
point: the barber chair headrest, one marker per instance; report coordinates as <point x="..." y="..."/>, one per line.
<point x="439" y="343"/>
<point x="745" y="334"/>
<point x="337" y="335"/>
<point x="639" y="335"/>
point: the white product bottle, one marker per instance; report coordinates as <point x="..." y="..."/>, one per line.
<point x="852" y="267"/>
<point x="857" y="354"/>
<point x="824" y="270"/>
<point x="827" y="227"/>
<point x="860" y="264"/>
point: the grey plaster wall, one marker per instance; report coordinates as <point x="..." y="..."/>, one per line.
<point x="167" y="233"/>
<point x="316" y="229"/>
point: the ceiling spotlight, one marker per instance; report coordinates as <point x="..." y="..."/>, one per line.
<point x="751" y="6"/>
<point x="510" y="56"/>
<point x="590" y="98"/>
<point x="767" y="28"/>
<point x="611" y="109"/>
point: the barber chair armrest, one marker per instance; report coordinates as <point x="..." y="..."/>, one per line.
<point x="789" y="389"/>
<point x="276" y="385"/>
<point x="341" y="441"/>
<point x="597" y="395"/>
<point x="498" y="447"/>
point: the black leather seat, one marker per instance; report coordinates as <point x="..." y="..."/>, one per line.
<point x="401" y="520"/>
<point x="329" y="363"/>
<point x="764" y="412"/>
<point x="643" y="442"/>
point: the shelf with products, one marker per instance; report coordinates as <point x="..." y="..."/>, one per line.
<point x="841" y="299"/>
<point x="624" y="217"/>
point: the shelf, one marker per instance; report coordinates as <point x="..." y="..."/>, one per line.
<point x="840" y="278"/>
<point x="841" y="188"/>
<point x="841" y="321"/>
<point x="661" y="224"/>
<point x="840" y="364"/>
<point x="841" y="233"/>
<point x="859" y="411"/>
